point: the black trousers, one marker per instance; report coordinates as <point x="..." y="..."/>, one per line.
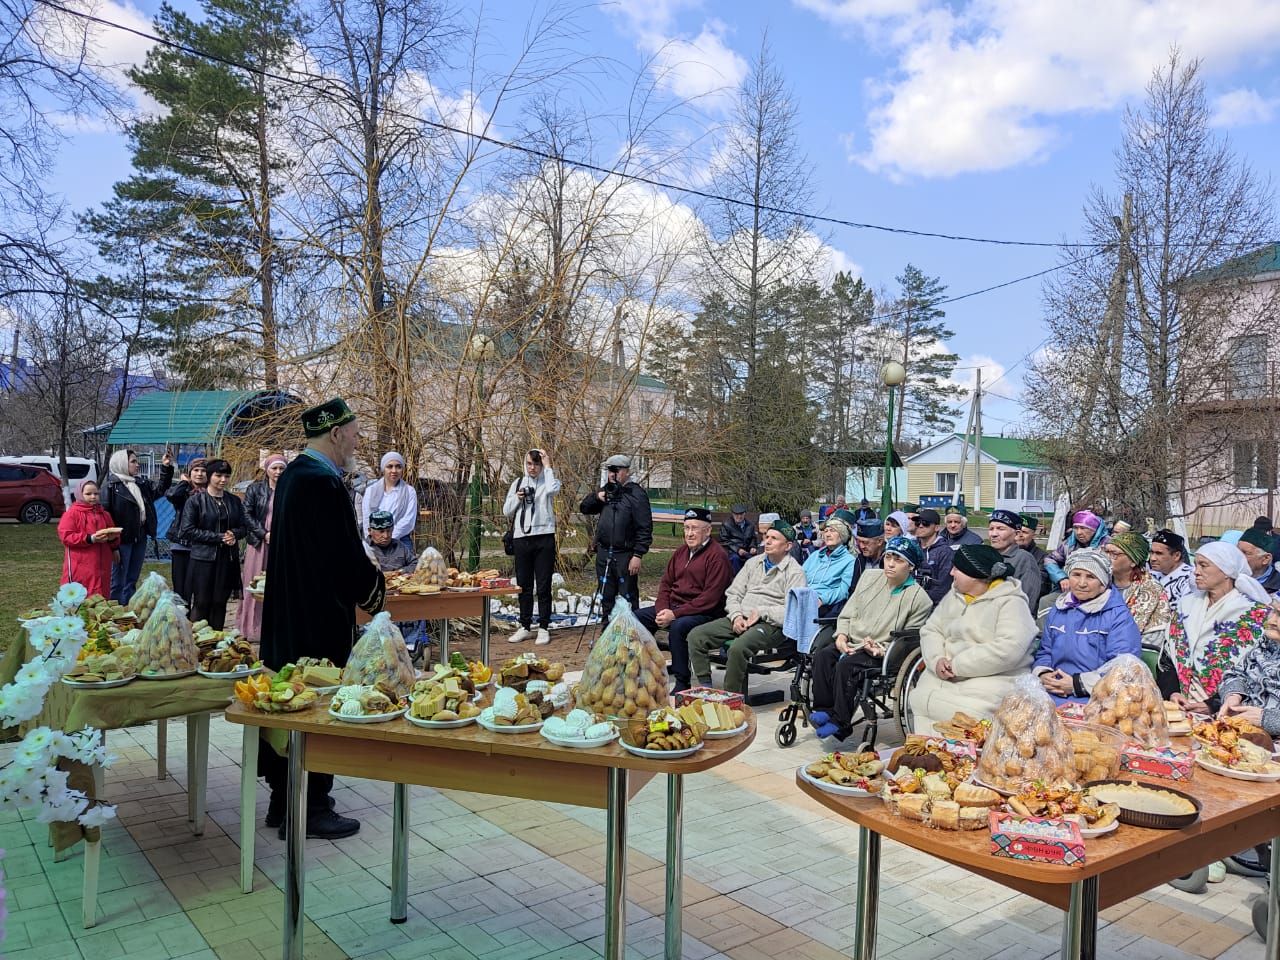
<point x="677" y="641"/>
<point x="275" y="770"/>
<point x="611" y="573"/>
<point x="837" y="682"/>
<point x="535" y="560"/>
<point x="180" y="564"/>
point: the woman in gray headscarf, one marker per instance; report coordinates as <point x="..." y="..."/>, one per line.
<point x="130" y="499"/>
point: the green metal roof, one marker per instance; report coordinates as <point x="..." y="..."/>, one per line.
<point x="188" y="416"/>
<point x="1007" y="450"/>
<point x="1266" y="259"/>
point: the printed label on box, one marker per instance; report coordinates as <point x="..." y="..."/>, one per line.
<point x="1165" y="764"/>
<point x="1039" y="839"/>
<point x="729" y="698"/>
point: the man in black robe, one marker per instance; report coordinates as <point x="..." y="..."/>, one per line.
<point x="318" y="574"/>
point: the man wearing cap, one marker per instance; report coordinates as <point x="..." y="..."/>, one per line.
<point x="933" y="572"/>
<point x="763" y="525"/>
<point x="1168" y="563"/>
<point x="623" y="534"/>
<point x="1259" y="549"/>
<point x="319" y="575"/>
<point x="754" y="606"/>
<point x="391" y="555"/>
<point x="865" y="512"/>
<point x="395" y="495"/>
<point x="807" y="534"/>
<point x="868" y="537"/>
<point x="1003" y="529"/>
<point x="691" y="592"/>
<point x="1026" y="539"/>
<point x="957" y="533"/>
<point x="738" y="536"/>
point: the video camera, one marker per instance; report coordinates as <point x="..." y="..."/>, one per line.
<point x="612" y="487"/>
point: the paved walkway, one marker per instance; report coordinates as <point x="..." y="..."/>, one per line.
<point x="768" y="873"/>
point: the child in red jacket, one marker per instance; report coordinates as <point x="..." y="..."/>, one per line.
<point x="86" y="531"/>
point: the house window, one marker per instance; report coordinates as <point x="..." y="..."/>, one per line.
<point x="1009" y="486"/>
<point x="1247" y="357"/>
<point x="944" y="482"/>
<point x="1039" y="487"/>
<point x="1253" y="464"/>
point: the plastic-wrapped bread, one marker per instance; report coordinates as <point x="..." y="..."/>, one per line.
<point x="1127" y="698"/>
<point x="626" y="674"/>
<point x="144" y="600"/>
<point x="380" y="656"/>
<point x="1027" y="742"/>
<point x="165" y="644"/>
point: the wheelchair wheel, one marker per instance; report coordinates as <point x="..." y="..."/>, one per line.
<point x="908" y="676"/>
<point x="785" y="735"/>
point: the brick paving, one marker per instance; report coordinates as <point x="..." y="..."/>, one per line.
<point x="768" y="873"/>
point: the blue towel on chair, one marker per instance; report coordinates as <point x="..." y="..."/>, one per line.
<point x="798" y="621"/>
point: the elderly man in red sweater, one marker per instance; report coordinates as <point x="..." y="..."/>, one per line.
<point x="691" y="592"/>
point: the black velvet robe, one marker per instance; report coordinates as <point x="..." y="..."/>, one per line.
<point x="318" y="572"/>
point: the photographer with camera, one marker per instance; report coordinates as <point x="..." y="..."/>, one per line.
<point x="624" y="532"/>
<point x="533" y="539"/>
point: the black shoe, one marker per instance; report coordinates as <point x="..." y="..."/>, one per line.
<point x="327" y="825"/>
<point x="275" y="814"/>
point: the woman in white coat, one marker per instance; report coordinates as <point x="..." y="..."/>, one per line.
<point x="530" y="508"/>
<point x="395" y="495"/>
<point x="976" y="643"/>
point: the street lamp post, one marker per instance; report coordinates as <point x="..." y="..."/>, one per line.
<point x="892" y="374"/>
<point x="478" y="350"/>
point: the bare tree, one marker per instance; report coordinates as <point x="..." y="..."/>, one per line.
<point x="1139" y="329"/>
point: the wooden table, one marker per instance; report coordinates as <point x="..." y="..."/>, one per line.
<point x="474" y="759"/>
<point x="1235" y="815"/>
<point x="442" y="606"/>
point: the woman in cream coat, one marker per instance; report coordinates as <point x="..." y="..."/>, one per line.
<point x="977" y="642"/>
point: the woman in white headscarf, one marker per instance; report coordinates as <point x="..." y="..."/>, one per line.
<point x="396" y="496"/>
<point x="1213" y="626"/>
<point x="130" y="499"/>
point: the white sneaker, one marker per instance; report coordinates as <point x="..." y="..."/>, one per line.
<point x="524" y="633"/>
<point x="543" y="638"/>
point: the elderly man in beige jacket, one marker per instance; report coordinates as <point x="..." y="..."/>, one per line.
<point x="755" y="603"/>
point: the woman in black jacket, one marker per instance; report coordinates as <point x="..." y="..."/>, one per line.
<point x="258" y="500"/>
<point x="130" y="499"/>
<point x="213" y="521"/>
<point x="195" y="479"/>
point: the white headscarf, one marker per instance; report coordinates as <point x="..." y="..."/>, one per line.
<point x="1228" y="558"/>
<point x="119" y="465"/>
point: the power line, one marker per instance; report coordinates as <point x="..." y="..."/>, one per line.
<point x="312" y="79"/>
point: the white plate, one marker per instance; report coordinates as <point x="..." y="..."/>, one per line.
<point x="484" y="686"/>
<point x="440" y="724"/>
<point x="237" y="674"/>
<point x="660" y="754"/>
<point x="375" y="718"/>
<point x="1000" y="790"/>
<point x="1088" y="832"/>
<point x="322" y="691"/>
<point x="835" y="788"/>
<point x="1222" y="771"/>
<point x="580" y="744"/>
<point x="725" y="734"/>
<point x="498" y="728"/>
<point x="166" y="676"/>
<point x="98" y="684"/>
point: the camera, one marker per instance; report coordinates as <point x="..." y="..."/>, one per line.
<point x="525" y="493"/>
<point x="612" y="488"/>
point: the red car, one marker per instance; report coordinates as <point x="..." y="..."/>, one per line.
<point x="29" y="494"/>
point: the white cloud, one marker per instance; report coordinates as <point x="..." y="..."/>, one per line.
<point x="979" y="85"/>
<point x="108" y="50"/>
<point x="1243" y="107"/>
<point x="965" y="375"/>
<point x="701" y="67"/>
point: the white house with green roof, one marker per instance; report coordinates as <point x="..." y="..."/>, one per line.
<point x="1012" y="477"/>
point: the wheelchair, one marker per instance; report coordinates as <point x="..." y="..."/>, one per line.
<point x="885" y="694"/>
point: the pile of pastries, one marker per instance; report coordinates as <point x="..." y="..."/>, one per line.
<point x="143" y="602"/>
<point x="518" y="672"/>
<point x="940" y="800"/>
<point x="1235" y="742"/>
<point x="380" y="658"/>
<point x="919" y="752"/>
<point x="119" y="664"/>
<point x="626" y="674"/>
<point x="1128" y="699"/>
<point x="1142" y="798"/>
<point x="663" y="729"/>
<point x="460" y="578"/>
<point x="362" y="700"/>
<point x="225" y="656"/>
<point x="1095" y="755"/>
<point x="511" y="708"/>
<point x="861" y="770"/>
<point x="1028" y="742"/>
<point x="165" y="645"/>
<point x="962" y="726"/>
<point x="1086" y="809"/>
<point x="442" y="698"/>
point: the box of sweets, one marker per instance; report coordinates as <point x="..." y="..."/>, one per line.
<point x="1036" y="838"/>
<point x="960" y="749"/>
<point x="495" y="583"/>
<point x="1071" y="711"/>
<point x="730" y="699"/>
<point x="1166" y="763"/>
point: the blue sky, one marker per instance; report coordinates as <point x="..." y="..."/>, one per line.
<point x="989" y="118"/>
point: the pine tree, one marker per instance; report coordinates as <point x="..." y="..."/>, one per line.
<point x="208" y="176"/>
<point x="920" y="335"/>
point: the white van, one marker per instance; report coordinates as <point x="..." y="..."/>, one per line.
<point x="78" y="468"/>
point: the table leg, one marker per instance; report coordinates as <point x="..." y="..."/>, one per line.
<point x="193" y="738"/>
<point x="615" y="866"/>
<point x="295" y="847"/>
<point x="486" y="621"/>
<point x="400" y="854"/>
<point x="199" y="788"/>
<point x="868" y="905"/>
<point x="89" y="892"/>
<point x="1080" y="925"/>
<point x="162" y="749"/>
<point x="675" y="866"/>
<point x="248" y="804"/>
<point x="1273" y="904"/>
<point x="444" y="640"/>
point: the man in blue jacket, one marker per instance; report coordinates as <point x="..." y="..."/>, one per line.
<point x="934" y="571"/>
